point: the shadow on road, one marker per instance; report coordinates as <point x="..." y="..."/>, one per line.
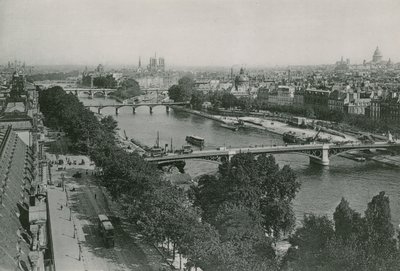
<point x="87" y="201"/>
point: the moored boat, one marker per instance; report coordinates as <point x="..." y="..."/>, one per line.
<point x="195" y="140"/>
<point x="230" y="126"/>
<point x="257" y="122"/>
<point x="292" y="138"/>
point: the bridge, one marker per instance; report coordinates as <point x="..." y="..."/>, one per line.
<point x="135" y="105"/>
<point x="89" y="91"/>
<point x="318" y="153"/>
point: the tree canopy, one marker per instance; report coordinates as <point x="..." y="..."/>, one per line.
<point x="182" y="92"/>
<point x="350" y="242"/>
<point x="259" y="184"/>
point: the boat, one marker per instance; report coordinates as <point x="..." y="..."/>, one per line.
<point x="186" y="149"/>
<point x="257" y="122"/>
<point x="292" y="138"/>
<point x="353" y="157"/>
<point x="230" y="126"/>
<point x="195" y="140"/>
<point x="157" y="152"/>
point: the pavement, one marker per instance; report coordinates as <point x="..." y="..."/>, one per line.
<point x="76" y="242"/>
<point x="66" y="250"/>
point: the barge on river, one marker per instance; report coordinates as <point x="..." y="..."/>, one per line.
<point x="195" y="140"/>
<point x="292" y="138"/>
<point x="230" y="126"/>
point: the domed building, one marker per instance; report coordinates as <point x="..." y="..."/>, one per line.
<point x="377" y="60"/>
<point x="242" y="82"/>
<point x="377" y="56"/>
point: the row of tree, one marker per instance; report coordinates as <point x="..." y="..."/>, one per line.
<point x="101" y="81"/>
<point x="51" y="76"/>
<point x="185" y="91"/>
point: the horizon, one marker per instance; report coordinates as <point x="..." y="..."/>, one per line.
<point x="194" y="33"/>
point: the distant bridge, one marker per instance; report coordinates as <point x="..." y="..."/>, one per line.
<point x="90" y="91"/>
<point x="134" y="106"/>
<point x="318" y="153"/>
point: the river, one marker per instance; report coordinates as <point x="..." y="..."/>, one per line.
<point x="321" y="187"/>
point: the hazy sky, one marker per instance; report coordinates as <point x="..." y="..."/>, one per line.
<point x="204" y="32"/>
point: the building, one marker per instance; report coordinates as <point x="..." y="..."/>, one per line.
<point x="316" y="97"/>
<point x="263" y="95"/>
<point x="150" y="82"/>
<point x="156" y="65"/>
<point x="17" y="108"/>
<point x="390" y="108"/>
<point x="99" y="69"/>
<point x="358" y="103"/>
<point x="375" y="108"/>
<point x="377" y="56"/>
<point x="298" y="97"/>
<point x="377" y="60"/>
<point x="161" y="64"/>
<point x="241" y="85"/>
<point x="23" y="239"/>
<point x="283" y="95"/>
<point x="337" y="100"/>
<point x="342" y="65"/>
<point x="152" y="64"/>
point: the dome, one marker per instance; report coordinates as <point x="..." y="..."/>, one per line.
<point x="242" y="77"/>
<point x="377" y="52"/>
<point x="377" y="57"/>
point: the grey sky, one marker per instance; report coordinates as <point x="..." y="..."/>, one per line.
<point x="205" y="32"/>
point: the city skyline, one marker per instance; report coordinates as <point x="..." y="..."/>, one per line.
<point x="198" y="33"/>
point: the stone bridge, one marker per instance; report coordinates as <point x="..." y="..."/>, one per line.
<point x="318" y="153"/>
<point x="90" y="91"/>
<point x="135" y="105"/>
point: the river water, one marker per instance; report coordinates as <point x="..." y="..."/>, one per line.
<point x="321" y="187"/>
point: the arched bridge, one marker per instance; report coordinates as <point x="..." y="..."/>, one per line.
<point x="318" y="153"/>
<point x="90" y="91"/>
<point x="134" y="106"/>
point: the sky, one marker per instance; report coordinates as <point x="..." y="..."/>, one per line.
<point x="198" y="32"/>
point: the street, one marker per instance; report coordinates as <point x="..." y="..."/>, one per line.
<point x="86" y="201"/>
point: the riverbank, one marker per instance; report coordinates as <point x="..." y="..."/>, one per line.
<point x="272" y="126"/>
<point x="198" y="113"/>
<point x="130" y="145"/>
<point x="388" y="160"/>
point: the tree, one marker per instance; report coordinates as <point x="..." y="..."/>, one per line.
<point x="348" y="222"/>
<point x="208" y="195"/>
<point x="197" y="100"/>
<point x="380" y="246"/>
<point x="308" y="243"/>
<point x="187" y="83"/>
<point x="245" y="104"/>
<point x="183" y="91"/>
<point x="228" y="100"/>
<point x="354" y="244"/>
<point x="110" y="124"/>
<point x="258" y="184"/>
<point x="129" y="88"/>
<point x="107" y="81"/>
<point x="176" y="93"/>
